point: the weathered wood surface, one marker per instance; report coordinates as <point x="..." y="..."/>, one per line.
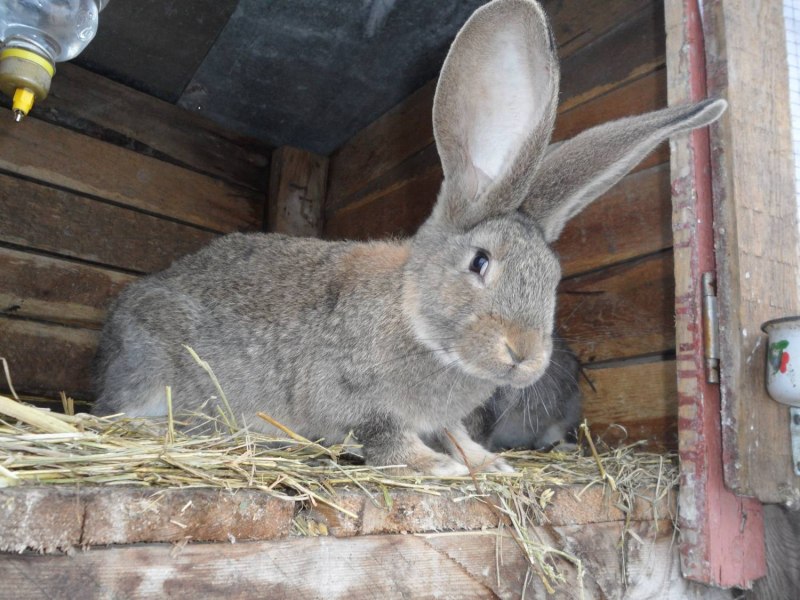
<point x="54" y="290"/>
<point x="630" y="220"/>
<point x="639" y="397"/>
<point x="619" y="312"/>
<point x="59" y="518"/>
<point x="396" y="203"/>
<point x="96" y="106"/>
<point x="59" y="222"/>
<point x="756" y="229"/>
<point x="462" y="560"/>
<point x="630" y="50"/>
<point x="462" y="565"/>
<point x="576" y="25"/>
<point x="297" y="183"/>
<point x="74" y="204"/>
<point x="412" y="512"/>
<point x="60" y="157"/>
<point x="721" y="535"/>
<point x="45" y="359"/>
<point x="641" y="95"/>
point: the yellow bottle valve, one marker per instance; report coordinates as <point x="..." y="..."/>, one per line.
<point x="24" y="76"/>
<point x="23" y="102"/>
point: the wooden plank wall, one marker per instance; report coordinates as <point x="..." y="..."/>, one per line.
<point x="617" y="297"/>
<point x="100" y="186"/>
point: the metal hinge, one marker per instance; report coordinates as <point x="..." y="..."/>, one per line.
<point x="710" y="328"/>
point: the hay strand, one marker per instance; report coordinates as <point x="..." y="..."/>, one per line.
<point x="229" y="418"/>
<point x="7" y="374"/>
<point x="34" y="417"/>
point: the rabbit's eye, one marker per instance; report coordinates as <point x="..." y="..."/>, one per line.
<point x="480" y="263"/>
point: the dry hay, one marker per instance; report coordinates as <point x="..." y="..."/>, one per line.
<point x="41" y="447"/>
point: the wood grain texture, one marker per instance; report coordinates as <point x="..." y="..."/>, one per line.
<point x="96" y="106"/>
<point x="577" y="24"/>
<point x="641" y="95"/>
<point x="48" y="219"/>
<point x="59" y="291"/>
<point x="322" y="567"/>
<point x="632" y="49"/>
<point x="630" y="220"/>
<point x="296" y="192"/>
<point x="756" y="237"/>
<point x="641" y="397"/>
<point x="396" y="203"/>
<point x="722" y="539"/>
<point x="412" y="512"/>
<point x="58" y="518"/>
<point x="467" y="565"/>
<point x="45" y="359"/>
<point x="619" y="312"/>
<point x="77" y="162"/>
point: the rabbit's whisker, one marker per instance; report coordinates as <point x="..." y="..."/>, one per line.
<point x="563" y="370"/>
<point x="503" y="414"/>
<point x="456" y="379"/>
<point x="434" y="373"/>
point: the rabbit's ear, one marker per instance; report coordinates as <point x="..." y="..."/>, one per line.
<point x="493" y="110"/>
<point x="581" y="169"/>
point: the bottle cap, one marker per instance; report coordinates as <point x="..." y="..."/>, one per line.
<point x="25" y="76"/>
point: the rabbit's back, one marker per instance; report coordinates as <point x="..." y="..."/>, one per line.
<point x="246" y="304"/>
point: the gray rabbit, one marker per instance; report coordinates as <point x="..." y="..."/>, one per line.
<point x="398" y="339"/>
<point x="536" y="417"/>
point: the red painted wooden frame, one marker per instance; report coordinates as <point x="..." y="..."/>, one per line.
<point x="722" y="535"/>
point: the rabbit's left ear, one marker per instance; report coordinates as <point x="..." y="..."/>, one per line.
<point x="493" y="111"/>
<point x="579" y="170"/>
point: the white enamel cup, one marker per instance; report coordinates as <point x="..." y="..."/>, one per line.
<point x="783" y="359"/>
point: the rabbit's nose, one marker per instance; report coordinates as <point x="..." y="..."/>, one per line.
<point x="515" y="356"/>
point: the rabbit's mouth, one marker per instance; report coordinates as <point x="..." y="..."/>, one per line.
<point x="521" y="372"/>
<point x="522" y="376"/>
<point x="504" y="355"/>
<point x="517" y="375"/>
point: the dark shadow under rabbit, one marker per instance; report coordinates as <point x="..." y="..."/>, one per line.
<point x="401" y="339"/>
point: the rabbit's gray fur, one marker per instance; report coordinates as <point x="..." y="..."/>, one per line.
<point x="396" y="339"/>
<point x="535" y="417"/>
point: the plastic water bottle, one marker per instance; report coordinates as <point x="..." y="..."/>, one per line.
<point x="36" y="34"/>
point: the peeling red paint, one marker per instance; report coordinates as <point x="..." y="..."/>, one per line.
<point x="722" y="537"/>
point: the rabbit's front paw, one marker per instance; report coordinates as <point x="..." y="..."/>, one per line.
<point x="444" y="466"/>
<point x="498" y="465"/>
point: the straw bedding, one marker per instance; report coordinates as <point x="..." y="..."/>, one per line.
<point x="38" y="446"/>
